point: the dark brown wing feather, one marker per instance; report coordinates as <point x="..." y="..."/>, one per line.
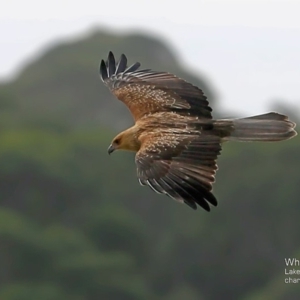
<point x="145" y="91"/>
<point x="180" y="166"/>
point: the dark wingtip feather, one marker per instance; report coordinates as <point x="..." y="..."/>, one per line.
<point x="111" y="64"/>
<point x="122" y="64"/>
<point x="133" y="68"/>
<point x="103" y="70"/>
<point x="211" y="199"/>
<point x="191" y="204"/>
<point x="202" y="200"/>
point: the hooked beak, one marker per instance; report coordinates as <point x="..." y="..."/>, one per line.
<point x="111" y="149"/>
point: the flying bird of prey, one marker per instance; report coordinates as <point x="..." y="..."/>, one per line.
<point x="175" y="138"/>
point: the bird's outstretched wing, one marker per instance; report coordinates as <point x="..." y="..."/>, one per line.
<point x="180" y="166"/>
<point x="145" y="92"/>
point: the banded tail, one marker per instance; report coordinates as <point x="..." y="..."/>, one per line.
<point x="268" y="127"/>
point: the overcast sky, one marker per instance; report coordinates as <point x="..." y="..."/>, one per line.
<point x="248" y="50"/>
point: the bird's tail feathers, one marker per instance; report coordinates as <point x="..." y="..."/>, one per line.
<point x="267" y="127"/>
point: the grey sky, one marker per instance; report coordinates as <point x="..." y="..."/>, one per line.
<point x="248" y="50"/>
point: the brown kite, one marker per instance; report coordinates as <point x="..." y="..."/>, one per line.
<point x="176" y="139"/>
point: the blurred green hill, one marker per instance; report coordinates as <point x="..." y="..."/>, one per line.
<point x="63" y="86"/>
<point x="77" y="225"/>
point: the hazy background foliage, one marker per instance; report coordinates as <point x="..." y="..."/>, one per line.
<point x="75" y="224"/>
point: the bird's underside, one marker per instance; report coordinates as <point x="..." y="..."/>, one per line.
<point x="176" y="140"/>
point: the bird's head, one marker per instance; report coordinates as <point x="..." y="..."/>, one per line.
<point x="125" y="140"/>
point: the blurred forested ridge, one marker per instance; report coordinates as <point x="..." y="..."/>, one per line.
<point x="75" y="224"/>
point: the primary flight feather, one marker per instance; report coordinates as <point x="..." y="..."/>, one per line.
<point x="176" y="140"/>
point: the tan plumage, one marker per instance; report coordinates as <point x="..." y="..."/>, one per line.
<point x="176" y="140"/>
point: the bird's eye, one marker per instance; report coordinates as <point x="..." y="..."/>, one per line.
<point x="117" y="141"/>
